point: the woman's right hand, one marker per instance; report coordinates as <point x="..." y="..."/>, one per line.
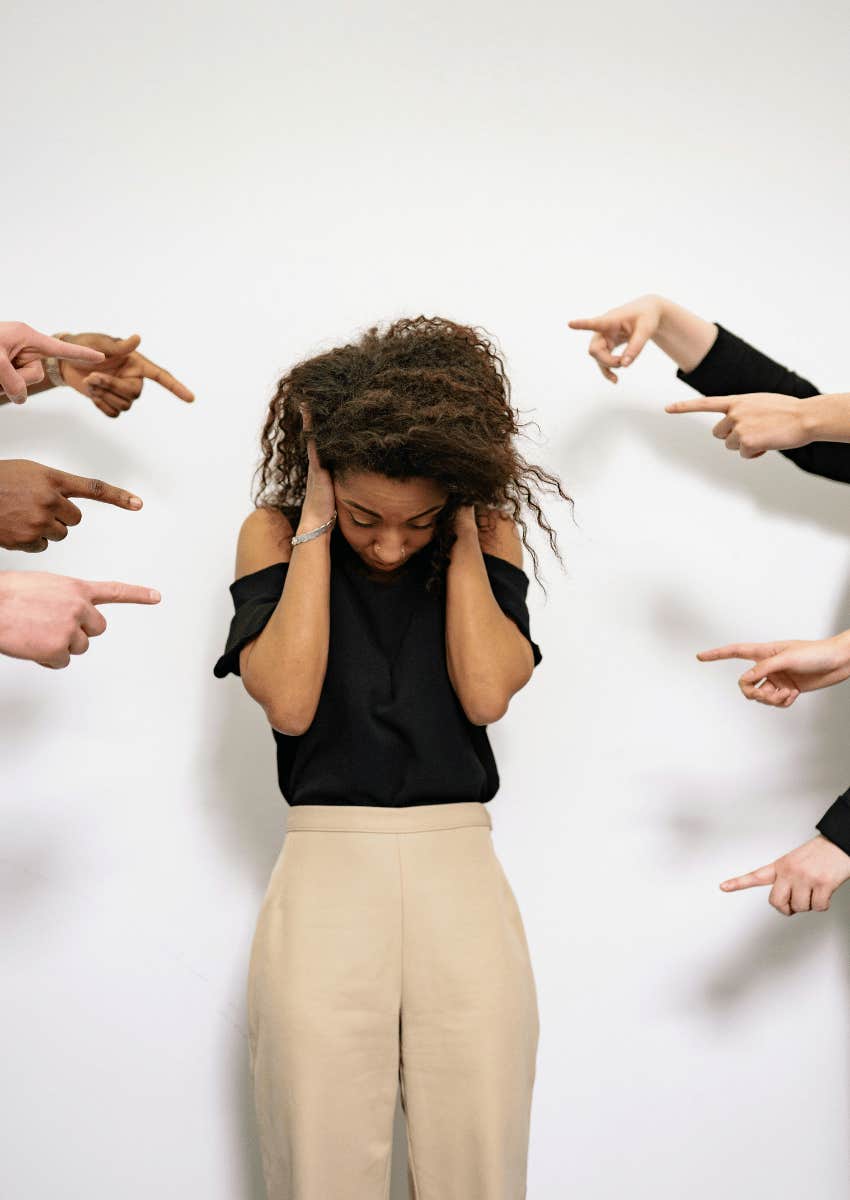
<point x="319" y="499"/>
<point x="632" y="324"/>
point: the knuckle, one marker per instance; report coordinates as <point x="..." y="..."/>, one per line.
<point x="96" y="487"/>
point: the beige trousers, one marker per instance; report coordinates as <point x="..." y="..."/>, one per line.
<point x="390" y="954"/>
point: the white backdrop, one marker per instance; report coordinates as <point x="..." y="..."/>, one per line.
<point x="243" y="186"/>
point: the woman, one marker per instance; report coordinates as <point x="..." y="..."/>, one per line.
<point x="381" y="624"/>
<point x="775" y="409"/>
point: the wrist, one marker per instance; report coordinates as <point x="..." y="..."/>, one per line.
<point x="53" y="376"/>
<point x="827" y="418"/>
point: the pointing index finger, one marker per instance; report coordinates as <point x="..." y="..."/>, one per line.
<point x="734" y="651"/>
<point x="95" y="489"/>
<point x="55" y="347"/>
<point x="113" y="592"/>
<point x="152" y="370"/>
<point x="719" y="404"/>
<point x="760" y="878"/>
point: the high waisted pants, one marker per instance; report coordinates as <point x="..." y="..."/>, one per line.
<point x="390" y="954"/>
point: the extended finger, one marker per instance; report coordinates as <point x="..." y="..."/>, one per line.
<point x="95" y="489"/>
<point x="700" y="404"/>
<point x="733" y="650"/>
<point x="758" y="878"/>
<point x="589" y="323"/>
<point x="165" y="379"/>
<point x="57" y="348"/>
<point x="112" y="592"/>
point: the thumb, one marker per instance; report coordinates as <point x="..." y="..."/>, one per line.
<point x="125" y="346"/>
<point x="636" y="342"/>
<point x="767" y="666"/>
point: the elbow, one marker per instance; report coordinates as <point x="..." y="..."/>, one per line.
<point x="282" y="714"/>
<point x="288" y="721"/>
<point x="486" y="710"/>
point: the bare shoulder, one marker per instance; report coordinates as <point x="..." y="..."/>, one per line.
<point x="263" y="540"/>
<point x="498" y="534"/>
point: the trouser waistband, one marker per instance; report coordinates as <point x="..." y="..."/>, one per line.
<point x="366" y="818"/>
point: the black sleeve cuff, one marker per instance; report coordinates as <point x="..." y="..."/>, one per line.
<point x="835" y="823"/>
<point x="734" y="367"/>
<point x="255" y="597"/>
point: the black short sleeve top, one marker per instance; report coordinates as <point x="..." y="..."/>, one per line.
<point x="389" y="729"/>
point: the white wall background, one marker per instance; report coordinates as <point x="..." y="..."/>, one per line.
<point x="245" y="185"/>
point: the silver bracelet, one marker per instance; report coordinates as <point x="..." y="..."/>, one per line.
<point x="51" y="366"/>
<point x="306" y="537"/>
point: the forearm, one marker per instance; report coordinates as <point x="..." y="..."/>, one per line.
<point x="487" y="656"/>
<point x="683" y="336"/>
<point x="283" y="669"/>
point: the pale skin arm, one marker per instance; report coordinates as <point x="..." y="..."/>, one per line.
<point x="750" y="424"/>
<point x="488" y="658"/>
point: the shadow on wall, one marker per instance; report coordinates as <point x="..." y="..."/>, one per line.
<point x="777" y="487"/>
<point x="247" y="807"/>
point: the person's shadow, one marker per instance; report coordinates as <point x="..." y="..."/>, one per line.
<point x="245" y="802"/>
<point x="778" y="487"/>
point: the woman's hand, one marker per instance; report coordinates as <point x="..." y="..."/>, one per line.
<point x="119" y="379"/>
<point x="784" y="669"/>
<point x="757" y="422"/>
<point x="632" y="324"/>
<point x="802" y="881"/>
<point x="319" y="498"/>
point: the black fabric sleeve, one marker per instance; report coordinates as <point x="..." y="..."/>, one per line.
<point x="255" y="598"/>
<point x="734" y="367"/>
<point x="510" y="585"/>
<point x="835" y="822"/>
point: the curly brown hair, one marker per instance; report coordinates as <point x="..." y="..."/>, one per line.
<point x="424" y="398"/>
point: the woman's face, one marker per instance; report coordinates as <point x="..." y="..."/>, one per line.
<point x="386" y="520"/>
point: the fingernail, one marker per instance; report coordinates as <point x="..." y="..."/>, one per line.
<point x="135" y="502"/>
<point x="725" y="886"/>
<point x="18" y="399"/>
<point x="627" y="358"/>
<point x="154" y="595"/>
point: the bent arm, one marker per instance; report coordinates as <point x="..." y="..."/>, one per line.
<point x="488" y="658"/>
<point x="731" y="366"/>
<point x="283" y="668"/>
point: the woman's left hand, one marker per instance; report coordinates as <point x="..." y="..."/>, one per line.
<point x="119" y="379"/>
<point x="755" y="423"/>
